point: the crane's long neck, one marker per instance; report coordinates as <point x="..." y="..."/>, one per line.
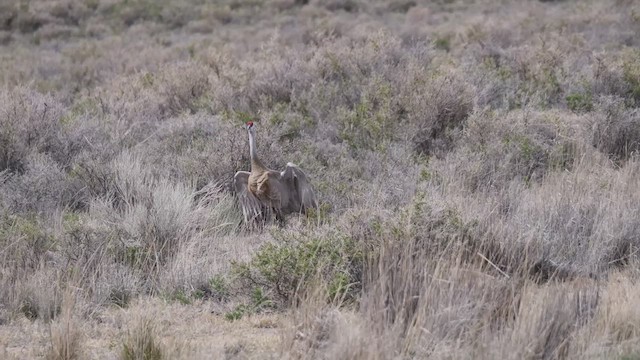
<point x="255" y="161"/>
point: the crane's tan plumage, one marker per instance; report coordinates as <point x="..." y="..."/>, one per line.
<point x="262" y="191"/>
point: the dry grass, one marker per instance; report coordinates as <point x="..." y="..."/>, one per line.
<point x="141" y="343"/>
<point x="65" y="335"/>
<point x="476" y="164"/>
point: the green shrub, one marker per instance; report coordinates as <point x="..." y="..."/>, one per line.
<point x="370" y="124"/>
<point x="259" y="302"/>
<point x="294" y="261"/>
<point x="443" y="43"/>
<point x="524" y="145"/>
<point x="182" y="298"/>
<point x="579" y="102"/>
<point x="631" y="356"/>
<point x="631" y="75"/>
<point x="237" y="313"/>
<point x="219" y="287"/>
<point x="25" y="240"/>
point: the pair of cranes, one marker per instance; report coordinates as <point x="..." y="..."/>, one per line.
<point x="263" y="192"/>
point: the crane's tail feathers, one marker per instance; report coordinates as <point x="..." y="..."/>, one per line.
<point x="252" y="209"/>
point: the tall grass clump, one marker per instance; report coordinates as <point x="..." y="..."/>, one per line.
<point x="141" y="343"/>
<point x="65" y="335"/>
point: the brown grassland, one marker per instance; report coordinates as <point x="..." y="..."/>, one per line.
<point x="476" y="162"/>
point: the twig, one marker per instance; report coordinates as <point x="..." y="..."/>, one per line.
<point x="624" y="257"/>
<point x="494" y="265"/>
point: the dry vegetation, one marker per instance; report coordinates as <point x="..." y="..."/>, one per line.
<point x="477" y="164"/>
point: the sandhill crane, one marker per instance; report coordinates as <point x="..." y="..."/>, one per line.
<point x="263" y="191"/>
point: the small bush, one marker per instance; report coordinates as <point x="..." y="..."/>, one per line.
<point x="42" y="188"/>
<point x="9" y="13"/>
<point x="287" y="267"/>
<point x="438" y="114"/>
<point x="186" y="149"/>
<point x="579" y="102"/>
<point x="183" y="88"/>
<point x="259" y="302"/>
<point x="524" y="146"/>
<point x="41" y="296"/>
<point x="443" y="43"/>
<point x="219" y="287"/>
<point x="137" y="11"/>
<point x="181" y="297"/>
<point x="30" y="124"/>
<point x="370" y="124"/>
<point x="29" y="22"/>
<point x="237" y="313"/>
<point x="401" y="6"/>
<point x="347" y="5"/>
<point x="616" y="130"/>
<point x="153" y="216"/>
<point x="631" y="75"/>
<point x="114" y="283"/>
<point x="26" y="240"/>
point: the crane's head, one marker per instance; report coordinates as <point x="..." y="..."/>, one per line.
<point x="250" y="127"/>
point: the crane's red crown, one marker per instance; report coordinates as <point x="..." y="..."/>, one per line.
<point x="249" y="123"/>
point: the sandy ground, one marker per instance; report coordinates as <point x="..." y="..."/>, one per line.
<point x="193" y="331"/>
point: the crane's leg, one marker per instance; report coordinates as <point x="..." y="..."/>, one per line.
<point x="279" y="217"/>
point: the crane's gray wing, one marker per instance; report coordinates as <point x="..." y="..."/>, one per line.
<point x="302" y="196"/>
<point x="251" y="206"/>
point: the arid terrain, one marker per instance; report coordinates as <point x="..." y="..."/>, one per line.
<point x="476" y="164"/>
